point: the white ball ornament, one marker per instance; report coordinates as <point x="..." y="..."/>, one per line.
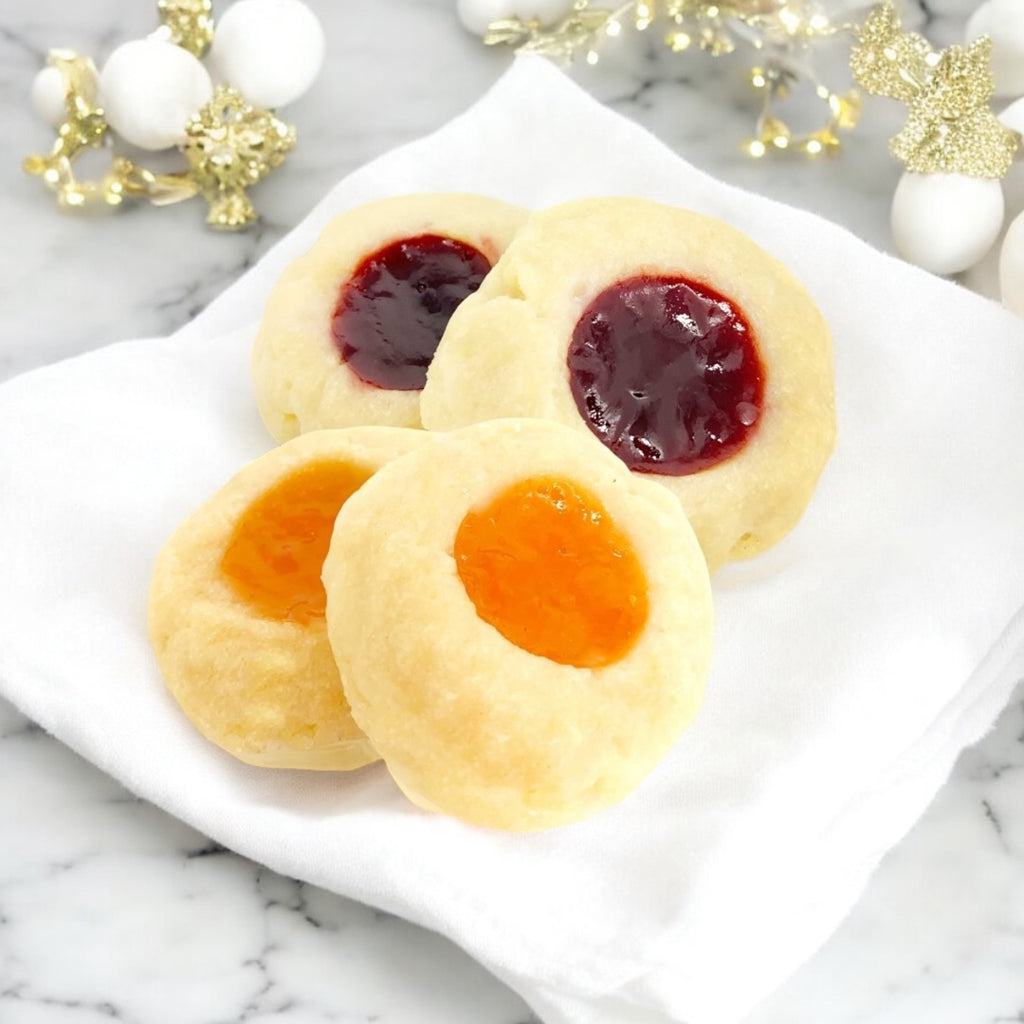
<point x="476" y="15"/>
<point x="1003" y="22"/>
<point x="979" y="23"/>
<point x="1011" y="266"/>
<point x="149" y="89"/>
<point x="945" y="223"/>
<point x="270" y="50"/>
<point x="48" y="96"/>
<point x="1013" y="181"/>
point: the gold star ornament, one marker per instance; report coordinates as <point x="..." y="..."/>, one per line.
<point x="950" y="127"/>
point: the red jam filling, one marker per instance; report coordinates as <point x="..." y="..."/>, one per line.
<point x="666" y="373"/>
<point x="392" y="312"/>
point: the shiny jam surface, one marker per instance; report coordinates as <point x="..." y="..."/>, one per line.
<point x="666" y="373"/>
<point x="546" y="566"/>
<point x="277" y="550"/>
<point x="392" y="312"/>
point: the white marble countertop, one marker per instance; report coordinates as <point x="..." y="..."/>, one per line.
<point x="110" y="909"/>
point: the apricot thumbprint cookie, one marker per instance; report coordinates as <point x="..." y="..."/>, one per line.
<point x="236" y="609"/>
<point x="523" y="627"/>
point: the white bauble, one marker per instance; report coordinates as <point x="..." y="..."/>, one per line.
<point x="149" y="89"/>
<point x="48" y="92"/>
<point x="1003" y="22"/>
<point x="48" y="96"/>
<point x="945" y="223"/>
<point x="1011" y="266"/>
<point x="1013" y="115"/>
<point x="979" y="23"/>
<point x="1013" y="181"/>
<point x="269" y="50"/>
<point x="476" y="15"/>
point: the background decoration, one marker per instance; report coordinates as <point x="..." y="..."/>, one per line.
<point x="783" y="33"/>
<point x="950" y="204"/>
<point x="948" y="207"/>
<point x="1003" y="22"/>
<point x="186" y="23"/>
<point x="962" y="180"/>
<point x="156" y="94"/>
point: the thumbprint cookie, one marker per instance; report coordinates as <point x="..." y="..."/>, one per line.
<point x="686" y="349"/>
<point x="350" y="328"/>
<point x="236" y="607"/>
<point x="523" y="627"/>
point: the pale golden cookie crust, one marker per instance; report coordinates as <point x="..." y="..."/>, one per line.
<point x="468" y="722"/>
<point x="504" y="352"/>
<point x="265" y="690"/>
<point x="300" y="380"/>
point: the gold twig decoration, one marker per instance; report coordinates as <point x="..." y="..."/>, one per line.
<point x="85" y="128"/>
<point x="950" y="127"/>
<point x="779" y="27"/>
<point x="580" y="30"/>
<point x="772" y="133"/>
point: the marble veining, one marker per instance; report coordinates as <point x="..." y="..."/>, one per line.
<point x="112" y="911"/>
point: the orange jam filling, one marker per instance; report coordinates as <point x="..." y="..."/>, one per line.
<point x="277" y="550"/>
<point x="546" y="566"/>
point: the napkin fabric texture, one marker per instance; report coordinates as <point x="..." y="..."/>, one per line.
<point x="852" y="662"/>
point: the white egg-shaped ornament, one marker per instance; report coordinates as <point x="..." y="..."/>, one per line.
<point x="477" y="15"/>
<point x="978" y="23"/>
<point x="1003" y="22"/>
<point x="1013" y="181"/>
<point x="945" y="223"/>
<point x="1011" y="266"/>
<point x="150" y="89"/>
<point x="270" y="50"/>
<point x="48" y="91"/>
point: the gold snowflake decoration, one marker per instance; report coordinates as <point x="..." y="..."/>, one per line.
<point x="230" y="146"/>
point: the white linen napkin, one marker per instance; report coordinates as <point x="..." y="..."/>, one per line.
<point x="852" y="662"/>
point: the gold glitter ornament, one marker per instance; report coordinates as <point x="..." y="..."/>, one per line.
<point x="950" y="127"/>
<point x="188" y="23"/>
<point x="230" y="146"/>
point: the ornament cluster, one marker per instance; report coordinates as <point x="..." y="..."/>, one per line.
<point x="950" y="205"/>
<point x="962" y="179"/>
<point x="209" y="90"/>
